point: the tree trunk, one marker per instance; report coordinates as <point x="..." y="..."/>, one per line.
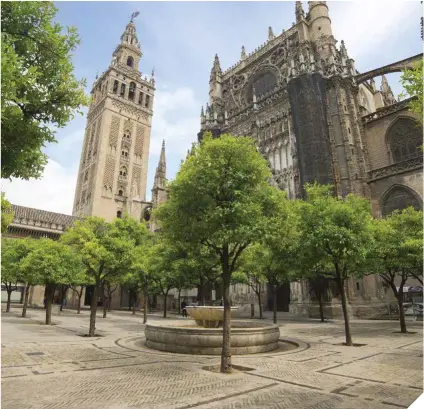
<point x="402" y="321"/>
<point x="109" y="300"/>
<point x="50" y="289"/>
<point x="321" y="307"/>
<point x="9" y="295"/>
<point x="164" y="303"/>
<point x="105" y="302"/>
<point x="226" y="365"/>
<point x="260" y="303"/>
<point x="341" y="285"/>
<point x="24" y="309"/>
<point x="146" y="303"/>
<point x="179" y="302"/>
<point x="274" y="307"/>
<point x="61" y="297"/>
<point x="134" y="303"/>
<point x="79" y="302"/>
<point x="93" y="310"/>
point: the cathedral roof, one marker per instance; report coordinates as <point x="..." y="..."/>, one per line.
<point x="29" y="215"/>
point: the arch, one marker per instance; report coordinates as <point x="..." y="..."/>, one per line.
<point x="124" y="153"/>
<point x="122" y="90"/>
<point x="127" y="134"/>
<point x="120" y="192"/>
<point x="123" y="171"/>
<point x="115" y="86"/>
<point x="264" y="81"/>
<point x="147" y="213"/>
<point x="399" y="197"/>
<point x="119" y="214"/>
<point x="404" y="139"/>
<point x="131" y="92"/>
<point x="130" y="61"/>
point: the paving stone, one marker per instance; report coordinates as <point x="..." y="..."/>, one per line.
<point x="55" y="368"/>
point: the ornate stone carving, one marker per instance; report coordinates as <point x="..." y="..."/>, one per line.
<point x="114" y="131"/>
<point x="129" y="109"/>
<point x="396" y="169"/>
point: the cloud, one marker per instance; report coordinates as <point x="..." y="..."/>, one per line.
<point x="367" y="26"/>
<point x="176" y="119"/>
<point x="53" y="192"/>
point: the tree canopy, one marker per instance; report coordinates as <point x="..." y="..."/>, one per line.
<point x="6" y="213"/>
<point x="221" y="198"/>
<point x="38" y="88"/>
<point x="412" y="82"/>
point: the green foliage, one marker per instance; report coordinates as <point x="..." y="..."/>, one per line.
<point x="13" y="252"/>
<point x="39" y="88"/>
<point x="52" y="262"/>
<point x="335" y="232"/>
<point x="412" y="82"/>
<point x="229" y="180"/>
<point x="6" y="213"/>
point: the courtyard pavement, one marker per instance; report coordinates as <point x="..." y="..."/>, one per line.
<point x="53" y="367"/>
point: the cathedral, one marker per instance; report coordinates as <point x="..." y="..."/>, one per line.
<point x="314" y="118"/>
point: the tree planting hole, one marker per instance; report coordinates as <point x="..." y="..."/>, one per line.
<point x="354" y="345"/>
<point x="405" y="333"/>
<point x="235" y="368"/>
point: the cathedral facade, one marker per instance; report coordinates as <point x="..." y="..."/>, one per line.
<point x="316" y="118"/>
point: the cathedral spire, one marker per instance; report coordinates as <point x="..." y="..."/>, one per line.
<point x="271" y="35"/>
<point x="343" y="49"/>
<point x="216" y="69"/>
<point x="159" y="194"/>
<point x="300" y="14"/>
<point x="243" y="53"/>
<point x="387" y="92"/>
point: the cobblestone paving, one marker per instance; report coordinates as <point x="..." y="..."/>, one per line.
<point x="57" y="367"/>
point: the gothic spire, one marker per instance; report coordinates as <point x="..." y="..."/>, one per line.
<point x="300" y="14"/>
<point x="271" y="35"/>
<point x="243" y="53"/>
<point x="160" y="174"/>
<point x="343" y="49"/>
<point x="216" y="66"/>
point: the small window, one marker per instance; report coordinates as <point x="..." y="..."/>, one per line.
<point x="357" y="286"/>
<point x="147" y="101"/>
<point x="123" y="171"/>
<point x="124" y="154"/>
<point x="119" y="214"/>
<point x="115" y="86"/>
<point x="131" y="92"/>
<point x="127" y="134"/>
<point x="140" y="98"/>
<point x="120" y="192"/>
<point x="348" y="129"/>
<point x="130" y="61"/>
<point x="122" y="90"/>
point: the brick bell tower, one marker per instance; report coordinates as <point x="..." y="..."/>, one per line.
<point x="113" y="167"/>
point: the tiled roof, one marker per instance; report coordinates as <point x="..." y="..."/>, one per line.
<point x="41" y="218"/>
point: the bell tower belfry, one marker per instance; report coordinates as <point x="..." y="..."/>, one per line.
<point x="113" y="167"/>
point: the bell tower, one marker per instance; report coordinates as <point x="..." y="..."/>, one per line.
<point x="113" y="167"/>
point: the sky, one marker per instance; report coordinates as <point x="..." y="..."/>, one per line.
<point x="180" y="40"/>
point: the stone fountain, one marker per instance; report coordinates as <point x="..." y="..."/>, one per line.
<point x="205" y="338"/>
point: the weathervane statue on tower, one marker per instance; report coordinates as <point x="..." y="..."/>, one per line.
<point x="134" y="15"/>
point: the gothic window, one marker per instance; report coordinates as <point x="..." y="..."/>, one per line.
<point x="263" y="84"/>
<point x="127" y="134"/>
<point x="120" y="192"/>
<point x="122" y="90"/>
<point x="398" y="198"/>
<point x="124" y="154"/>
<point x="130" y="61"/>
<point x="119" y="214"/>
<point x="123" y="171"/>
<point x="147" y="101"/>
<point x="404" y="138"/>
<point x="131" y="92"/>
<point x="115" y="86"/>
<point x="140" y="98"/>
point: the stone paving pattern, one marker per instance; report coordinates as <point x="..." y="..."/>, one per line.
<point x="54" y="367"/>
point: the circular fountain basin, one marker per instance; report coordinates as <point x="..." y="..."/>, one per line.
<point x="206" y="316"/>
<point x="247" y="337"/>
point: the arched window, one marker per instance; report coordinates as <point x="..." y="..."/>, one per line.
<point x="122" y="90"/>
<point x="130" y="61"/>
<point x="123" y="171"/>
<point x="398" y="198"/>
<point x="124" y="153"/>
<point x="263" y="84"/>
<point x="115" y="86"/>
<point x="119" y="214"/>
<point x="404" y="137"/>
<point x="127" y="134"/>
<point x="120" y="192"/>
<point x="131" y="92"/>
